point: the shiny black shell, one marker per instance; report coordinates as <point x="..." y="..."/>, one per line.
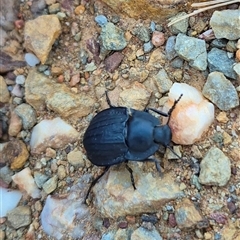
<point x="120" y="134"/>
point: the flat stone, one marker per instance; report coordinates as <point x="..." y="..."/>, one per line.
<point x="75" y="158"/>
<point x="135" y="96"/>
<point x="181" y="26"/>
<point x="186" y="214"/>
<point x="215" y="168"/>
<point x="225" y="24"/>
<point x="40" y="34"/>
<point x="114" y="194"/>
<point x="4" y="96"/>
<point x="41" y="92"/>
<point x="19" y="217"/>
<point x="192" y="50"/>
<point x="219" y="61"/>
<point x="145" y="234"/>
<point x="163" y="82"/>
<point x="53" y="133"/>
<point x="25" y="182"/>
<point x="220" y="91"/>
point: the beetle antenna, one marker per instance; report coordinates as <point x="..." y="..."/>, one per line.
<point x="173" y="152"/>
<point x="172" y="108"/>
<point x="108" y="100"/>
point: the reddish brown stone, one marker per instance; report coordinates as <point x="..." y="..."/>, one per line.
<point x="113" y="61"/>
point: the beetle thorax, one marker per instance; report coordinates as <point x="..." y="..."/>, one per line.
<point x="162" y="135"/>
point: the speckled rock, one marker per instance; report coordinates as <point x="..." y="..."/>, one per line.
<point x="52" y="133"/>
<point x="192" y="50"/>
<point x="27" y="114"/>
<point x="4" y="96"/>
<point x="114" y="194"/>
<point x="19" y="217"/>
<point x="162" y="81"/>
<point x="135" y="96"/>
<point x="41" y="92"/>
<point x="145" y="234"/>
<point x="220" y="91"/>
<point x="50" y="185"/>
<point x="181" y="26"/>
<point x="225" y="24"/>
<point x="215" y="168"/>
<point x="15" y="153"/>
<point x="170" y="48"/>
<point x="186" y="214"/>
<point x="218" y="60"/>
<point x="40" y="34"/>
<point x="112" y="37"/>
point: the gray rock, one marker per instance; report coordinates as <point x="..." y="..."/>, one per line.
<point x="220" y="91"/>
<point x="40" y="178"/>
<point x="147" y="47"/>
<point x="225" y="24"/>
<point x="108" y="236"/>
<point x="215" y="168"/>
<point x="177" y="63"/>
<point x="192" y="50"/>
<point x="19" y="217"/>
<point x="20" y="79"/>
<point x="219" y="43"/>
<point x="170" y="48"/>
<point x="50" y="185"/>
<point x="31" y="59"/>
<point x="142" y="33"/>
<point x="6" y="174"/>
<point x="181" y="26"/>
<point x="114" y="195"/>
<point x="163" y="82"/>
<point x="218" y="60"/>
<point x="27" y="114"/>
<point x="236" y="69"/>
<point x="144" y="234"/>
<point x="112" y="37"/>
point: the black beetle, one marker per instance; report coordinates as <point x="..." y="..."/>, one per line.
<point x="120" y="134"/>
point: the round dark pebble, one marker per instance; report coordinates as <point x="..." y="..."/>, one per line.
<point x="123" y="225"/>
<point x="106" y="223"/>
<point x="149" y="218"/>
<point x="172" y="220"/>
<point x="231" y="207"/>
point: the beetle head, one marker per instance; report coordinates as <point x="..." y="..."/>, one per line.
<point x="162" y="135"/>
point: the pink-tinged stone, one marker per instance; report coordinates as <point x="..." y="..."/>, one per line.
<point x="192" y="115"/>
<point x="113" y="61"/>
<point x="26" y="183"/>
<point x="158" y="38"/>
<point x="15" y="124"/>
<point x="53" y="133"/>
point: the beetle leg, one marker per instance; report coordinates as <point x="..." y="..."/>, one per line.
<point x="94" y="182"/>
<point x="157" y="111"/>
<point x="157" y="164"/>
<point x="131" y="174"/>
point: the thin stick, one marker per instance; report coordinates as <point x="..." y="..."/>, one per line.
<point x="201" y="10"/>
<point x="209" y="3"/>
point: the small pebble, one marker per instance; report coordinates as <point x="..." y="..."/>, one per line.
<point x="20" y="79"/>
<point x="147" y="47"/>
<point x="158" y="38"/>
<point x="31" y="59"/>
<point x="101" y="20"/>
<point x="79" y="10"/>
